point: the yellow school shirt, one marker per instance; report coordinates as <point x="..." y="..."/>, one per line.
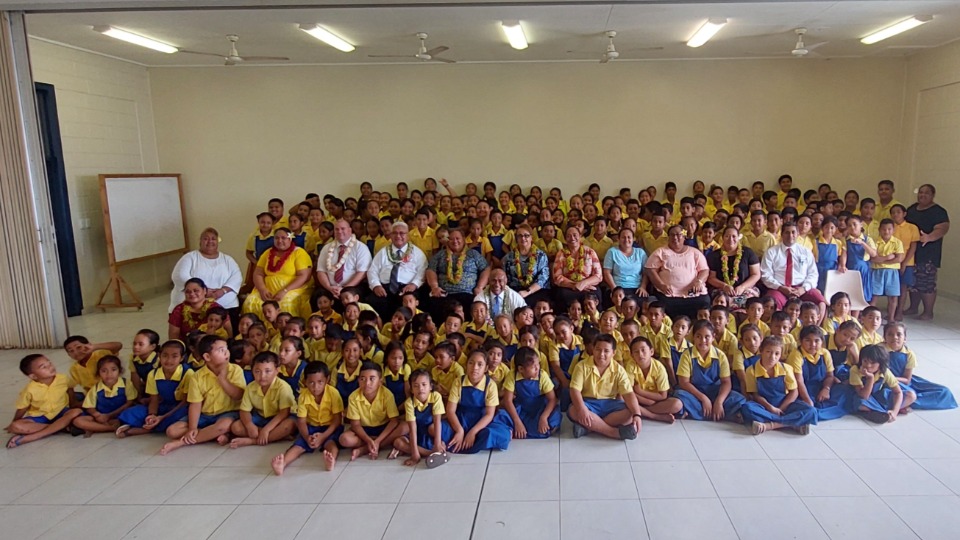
<point x="278" y="396"/>
<point x="799" y="356"/>
<point x="136" y="360"/>
<point x="314" y="347"/>
<point x="888" y="247"/>
<point x="427" y="362"/>
<point x="45" y="399"/>
<point x="807" y="242"/>
<point x="373" y="413"/>
<point x="252" y="240"/>
<point x="378" y="244"/>
<point x="90" y="401"/>
<point x="789" y="345"/>
<point x="499" y="373"/>
<point x="373" y="355"/>
<point x="484" y="330"/>
<point x="856" y="379"/>
<point x="332" y="317"/>
<point x="739" y="358"/>
<point x="282" y="222"/>
<point x="219" y="332"/>
<point x="868" y="338"/>
<point x="181" y="374"/>
<point x="554" y="355"/>
<point x="728" y="343"/>
<point x="331" y="358"/>
<point x="648" y="332"/>
<point x="449" y="378"/>
<point x="911" y="357"/>
<point x="426" y="241"/>
<point x="510" y="382"/>
<point x="491" y="396"/>
<point x="586" y="378"/>
<point x="550" y="248"/>
<point x="86" y="375"/>
<point x="505" y="234"/>
<point x="685" y="368"/>
<point x="873" y="232"/>
<point x="908" y="233"/>
<point x="759" y="243"/>
<point x="402" y="375"/>
<point x="600" y="246"/>
<point x="841" y="246"/>
<point x="757" y="371"/>
<point x="322" y="412"/>
<point x="651" y="243"/>
<point x="206" y="389"/>
<point x="387" y="334"/>
<point x="655" y="380"/>
<point x="831" y="323"/>
<point x="483" y="242"/>
<point x="413" y="405"/>
<point x="883" y="210"/>
<point x="341" y="373"/>
<point x="764" y="328"/>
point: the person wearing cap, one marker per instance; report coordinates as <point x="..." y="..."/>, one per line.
<point x="394" y="270"/>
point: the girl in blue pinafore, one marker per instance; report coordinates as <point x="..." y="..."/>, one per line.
<point x="167" y="388"/>
<point x="831" y="252"/>
<point x="292" y="363"/>
<point x="396" y="372"/>
<point x="144" y="358"/>
<point x="529" y="398"/>
<point x="678" y="345"/>
<point x="842" y="344"/>
<point x="748" y="354"/>
<point x="423" y="412"/>
<point x="348" y="370"/>
<point x="813" y="368"/>
<point x="930" y="396"/>
<point x="774" y="390"/>
<point x="877" y="395"/>
<point x="710" y="382"/>
<point x="498" y="235"/>
<point x="860" y="248"/>
<point x="474" y="423"/>
<point x="107" y="399"/>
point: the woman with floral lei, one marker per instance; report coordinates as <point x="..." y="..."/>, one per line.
<point x="577" y="271"/>
<point x="527" y="267"/>
<point x="734" y="269"/>
<point x="455" y="272"/>
<point x="282" y="275"/>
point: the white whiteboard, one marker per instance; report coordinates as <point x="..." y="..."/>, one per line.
<point x="143" y="215"/>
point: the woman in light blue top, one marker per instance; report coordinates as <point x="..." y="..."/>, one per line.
<point x="623" y="265"/>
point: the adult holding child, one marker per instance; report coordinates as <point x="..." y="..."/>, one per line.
<point x="282" y="275"/>
<point x="219" y="272"/>
<point x="934" y="223"/>
<point x="344" y="262"/>
<point x="527" y="268"/>
<point x="679" y="274"/>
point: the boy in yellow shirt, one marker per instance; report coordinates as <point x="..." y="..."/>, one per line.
<point x="85" y="356"/>
<point x="885" y="267"/>
<point x="594" y="386"/>
<point x="373" y="414"/>
<point x="43" y="406"/>
<point x="422" y="235"/>
<point x="265" y="407"/>
<point x="319" y="419"/>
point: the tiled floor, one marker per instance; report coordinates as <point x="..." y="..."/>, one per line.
<point x="848" y="479"/>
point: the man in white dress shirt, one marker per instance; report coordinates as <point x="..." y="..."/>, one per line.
<point x="396" y="269"/>
<point x="789" y="271"/>
<point x="343" y="262"/>
<point x="500" y="299"/>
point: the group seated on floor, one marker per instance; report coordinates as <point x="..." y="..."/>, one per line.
<point x="426" y="325"/>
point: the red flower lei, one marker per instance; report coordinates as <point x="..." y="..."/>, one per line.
<point x="275" y="264"/>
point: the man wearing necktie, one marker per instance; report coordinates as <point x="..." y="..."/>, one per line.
<point x="788" y="270"/>
<point x="500" y="299"/>
<point x="396" y="269"/>
<point x="343" y="262"/>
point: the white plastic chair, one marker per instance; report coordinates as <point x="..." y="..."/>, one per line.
<point x="848" y="282"/>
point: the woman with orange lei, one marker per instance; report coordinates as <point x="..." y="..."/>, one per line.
<point x="577" y="271"/>
<point x="283" y="274"/>
<point x="456" y="273"/>
<point x="188" y="315"/>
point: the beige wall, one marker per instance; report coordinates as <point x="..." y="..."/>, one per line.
<point x="106" y="126"/>
<point x="242" y="135"/>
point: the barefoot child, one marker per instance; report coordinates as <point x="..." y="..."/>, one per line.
<point x="595" y="385"/>
<point x="107" y="399"/>
<point x="264" y="408"/>
<point x="144" y="358"/>
<point x="166" y="389"/>
<point x="214" y="396"/>
<point x="472" y="413"/>
<point x="43" y="406"/>
<point x="373" y="415"/>
<point x="930" y="396"/>
<point x="650" y="383"/>
<point x="704" y="379"/>
<point x="813" y="368"/>
<point x="773" y="391"/>
<point x="319" y="419"/>
<point x="423" y="412"/>
<point x="529" y="399"/>
<point x="877" y="394"/>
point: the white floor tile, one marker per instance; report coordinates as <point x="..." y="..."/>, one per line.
<point x="530" y="520"/>
<point x="726" y="443"/>
<point x="592" y="448"/>
<point x="596" y="481"/>
<point x="146" y="486"/>
<point x="787" y="445"/>
<point x="700" y="518"/>
<point x="369" y="484"/>
<point x="946" y="471"/>
<point x="455" y="520"/>
<point x="297" y="485"/>
<point x="250" y="455"/>
<point x="860" y="444"/>
<point x="823" y="478"/>
<point x="661" y="443"/>
<point x="198" y="455"/>
<point x="843" y="423"/>
<point x="31" y="521"/>
<point x="15" y="481"/>
<point x="747" y="479"/>
<point x="445" y="484"/>
<point x="925" y="442"/>
<point x="55" y="451"/>
<point x="621" y="519"/>
<point x="223" y="485"/>
<point x="941" y="419"/>
<point x="932" y="518"/>
<point x="522" y="482"/>
<point x="181" y="522"/>
<point x="529" y="451"/>
<point x="129" y="452"/>
<point x="897" y="477"/>
<point x="73" y="486"/>
<point x="834" y="515"/>
<point x="359" y="521"/>
<point x="107" y="521"/>
<point x="276" y="522"/>
<point x="672" y="480"/>
<point x="752" y="518"/>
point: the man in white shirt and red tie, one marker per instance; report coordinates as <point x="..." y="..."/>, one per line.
<point x="343" y="262"/>
<point x="789" y="271"/>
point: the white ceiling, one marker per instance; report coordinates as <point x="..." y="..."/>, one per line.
<point x="557" y="32"/>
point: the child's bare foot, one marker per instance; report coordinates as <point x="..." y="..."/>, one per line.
<point x="329" y="460"/>
<point x="393" y="454"/>
<point x="278" y="464"/>
<point x="757" y="428"/>
<point x="239" y="442"/>
<point x="15" y="441"/>
<point x="122" y="431"/>
<point x="665" y="418"/>
<point x="355" y="453"/>
<point x="87" y="434"/>
<point x="222" y="440"/>
<point x="170" y="447"/>
<point x="905" y="411"/>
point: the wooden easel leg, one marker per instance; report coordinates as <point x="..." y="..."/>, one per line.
<point x="129" y="290"/>
<point x="113" y="278"/>
<point x="117" y="283"/>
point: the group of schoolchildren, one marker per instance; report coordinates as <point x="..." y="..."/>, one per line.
<point x="424" y="389"/>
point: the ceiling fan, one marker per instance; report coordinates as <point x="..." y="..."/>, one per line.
<point x="800" y="50"/>
<point x="611" y="52"/>
<point x="423" y="54"/>
<point x="233" y="57"/>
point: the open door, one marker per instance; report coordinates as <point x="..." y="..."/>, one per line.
<point x="59" y="200"/>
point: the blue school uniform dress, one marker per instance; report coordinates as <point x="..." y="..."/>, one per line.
<point x="676" y="351"/>
<point x="529" y="398"/>
<point x="774" y="387"/>
<point x="395" y="383"/>
<point x="706" y="379"/>
<point x="856" y="260"/>
<point x="293" y="377"/>
<point x="248" y="375"/>
<point x="347" y="383"/>
<point x="828" y="258"/>
<point x="880" y="398"/>
<point x="748" y="362"/>
<point x="423" y="414"/>
<point x="472" y="402"/>
<point x="930" y="396"/>
<point x="143" y="367"/>
<point x="170" y="392"/>
<point x="839" y="356"/>
<point x="261" y="245"/>
<point x="106" y="400"/>
<point x="814" y="370"/>
<point x="497" y="242"/>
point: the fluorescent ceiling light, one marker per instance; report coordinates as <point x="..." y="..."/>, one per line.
<point x="327" y="37"/>
<point x="514" y="33"/>
<point x="123" y="35"/>
<point x="895" y="29"/>
<point x="707" y="31"/>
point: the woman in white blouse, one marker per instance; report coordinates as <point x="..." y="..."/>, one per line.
<point x="218" y="271"/>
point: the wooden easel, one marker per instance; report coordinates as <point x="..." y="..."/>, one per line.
<point x="117" y="283"/>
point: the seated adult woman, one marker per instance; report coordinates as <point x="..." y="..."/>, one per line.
<point x="456" y="273"/>
<point x="679" y="274"/>
<point x="623" y="265"/>
<point x="283" y="274"/>
<point x="576" y="271"/>
<point x="188" y="315"/>
<point x="219" y="272"/>
<point x="734" y="269"/>
<point x="527" y="268"/>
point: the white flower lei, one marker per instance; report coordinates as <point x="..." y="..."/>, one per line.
<point x="332" y="264"/>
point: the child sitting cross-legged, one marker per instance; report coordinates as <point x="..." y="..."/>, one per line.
<point x="650" y="383"/>
<point x="166" y="388"/>
<point x="594" y="386"/>
<point x="107" y="399"/>
<point x="319" y="420"/>
<point x="472" y="413"/>
<point x="529" y="398"/>
<point x="43" y="406"/>
<point x="772" y="388"/>
<point x="423" y="413"/>
<point x="265" y="406"/>
<point x="373" y="415"/>
<point x="878" y="395"/>
<point x="704" y="379"/>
